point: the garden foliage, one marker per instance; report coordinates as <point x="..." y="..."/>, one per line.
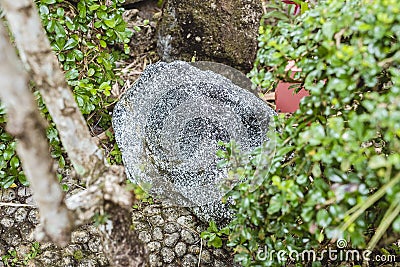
<point x="10" y="169"/>
<point x="83" y="37"/>
<point x="335" y="174"/>
<point x="88" y="37"/>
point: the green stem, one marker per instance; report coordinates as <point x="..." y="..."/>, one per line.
<point x="391" y="214"/>
<point x="361" y="207"/>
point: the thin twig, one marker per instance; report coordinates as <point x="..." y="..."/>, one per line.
<point x="269" y="96"/>
<point x="338" y="37"/>
<point x="201" y="250"/>
<point x="7" y="204"/>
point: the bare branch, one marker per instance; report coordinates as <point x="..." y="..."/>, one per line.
<point x="10" y="204"/>
<point x="36" y="52"/>
<point x="105" y="184"/>
<point x="106" y="189"/>
<point x="26" y="124"/>
<point x="87" y="158"/>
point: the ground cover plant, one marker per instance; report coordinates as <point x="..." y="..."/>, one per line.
<point x="334" y="181"/>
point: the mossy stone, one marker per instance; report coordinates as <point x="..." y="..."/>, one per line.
<point x="223" y="31"/>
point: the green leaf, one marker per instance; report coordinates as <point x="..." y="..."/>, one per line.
<point x="44" y="10"/>
<point x="82" y="9"/>
<point x="60" y="12"/>
<point x="8" y="153"/>
<point x="61" y="57"/>
<point x="316" y="170"/>
<point x="101" y="14"/>
<point x="396" y="224"/>
<point x="323" y="218"/>
<point x="345" y="165"/>
<point x="78" y="55"/>
<point x="110" y="22"/>
<point x="221" y="153"/>
<point x="104" y="86"/>
<point x="69" y="23"/>
<point x="204" y="235"/>
<point x="377" y="161"/>
<point x="72" y="74"/>
<point x="307" y="213"/>
<point x="91" y="72"/>
<point x="50" y="26"/>
<point x="22" y="179"/>
<point x="328" y="29"/>
<point x="71" y="43"/>
<point x="61" y="162"/>
<point x="225" y="231"/>
<point x="275" y="204"/>
<point x="216" y="243"/>
<point x="94" y="7"/>
<point x="103" y="43"/>
<point x="65" y="187"/>
<point x="48" y="2"/>
<point x="301" y="179"/>
<point x="59" y="44"/>
<point x="107" y="64"/>
<point x="14" y="162"/>
<point x="213" y="227"/>
<point x="8" y="181"/>
<point x="320" y="237"/>
<point x="60" y="32"/>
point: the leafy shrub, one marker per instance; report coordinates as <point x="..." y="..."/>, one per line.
<point x="88" y="38"/>
<point x="214" y="236"/>
<point x="335" y="174"/>
<point x="10" y="169"/>
<point x="83" y="37"/>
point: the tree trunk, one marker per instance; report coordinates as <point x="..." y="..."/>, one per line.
<point x="105" y="184"/>
<point x="27" y="125"/>
<point x="36" y="52"/>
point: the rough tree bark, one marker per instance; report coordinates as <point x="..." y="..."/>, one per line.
<point x="105" y="190"/>
<point x="26" y="124"/>
<point x="36" y="52"/>
<point x="86" y="157"/>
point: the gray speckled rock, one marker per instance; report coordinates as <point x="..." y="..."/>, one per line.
<point x="181" y="244"/>
<point x="171" y="239"/>
<point x="12" y="237"/>
<point x="168" y="126"/>
<point x="17" y="228"/>
<point x="20" y="214"/>
<point x="155" y="260"/>
<point x="157" y="233"/>
<point x="7" y="195"/>
<point x="189" y="261"/>
<point x="80" y="237"/>
<point x="154" y="246"/>
<point x="7" y="222"/>
<point x="206" y="256"/>
<point x="180" y="249"/>
<point x="168" y="255"/>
